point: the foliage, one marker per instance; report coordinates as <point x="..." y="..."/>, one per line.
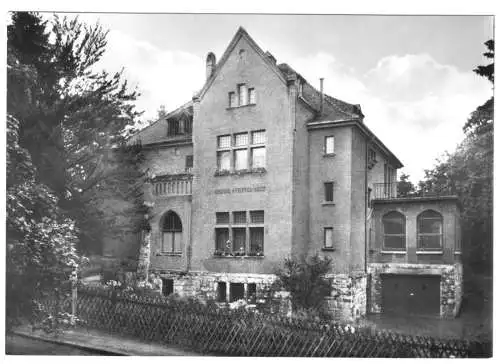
<point x="405" y="186"/>
<point x="481" y="120"/>
<point x="305" y="281"/>
<point x="41" y="241"/>
<point x="65" y="121"/>
<point x="72" y="115"/>
<point x="468" y="173"/>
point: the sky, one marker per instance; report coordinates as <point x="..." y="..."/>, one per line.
<point x="412" y="75"/>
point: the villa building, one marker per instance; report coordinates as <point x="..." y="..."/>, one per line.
<point x="260" y="166"/>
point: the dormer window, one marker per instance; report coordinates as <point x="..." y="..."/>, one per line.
<point x="173" y="127"/>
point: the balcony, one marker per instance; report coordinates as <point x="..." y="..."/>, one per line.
<point x="181" y="186"/>
<point x="390" y="191"/>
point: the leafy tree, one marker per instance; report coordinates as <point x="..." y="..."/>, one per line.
<point x="72" y="115"/>
<point x="65" y="151"/>
<point x="41" y="249"/>
<point x="405" y="186"/>
<point x="468" y="173"/>
<point x="305" y="280"/>
<point x="481" y="120"/>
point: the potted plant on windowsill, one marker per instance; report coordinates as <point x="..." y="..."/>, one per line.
<point x="224" y="172"/>
<point x="259" y="170"/>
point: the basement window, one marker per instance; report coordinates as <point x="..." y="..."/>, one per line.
<point x="252" y="292"/>
<point x="221" y="292"/>
<point x="236" y="291"/>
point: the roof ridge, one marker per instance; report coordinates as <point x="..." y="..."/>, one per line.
<point x="286" y="67"/>
<point x="237" y="36"/>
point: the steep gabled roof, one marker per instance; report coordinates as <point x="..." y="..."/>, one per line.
<point x="241" y="33"/>
<point x="157" y="131"/>
<point x="333" y="109"/>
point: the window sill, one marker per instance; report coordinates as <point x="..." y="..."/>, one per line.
<point x="328" y="203"/>
<point x="238" y="256"/>
<point x="329" y="155"/>
<point x="400" y="252"/>
<point x="239" y="106"/>
<point x="458" y="253"/>
<point x="328" y="249"/>
<point x="430" y="252"/>
<point x="240" y="172"/>
<point x="165" y="254"/>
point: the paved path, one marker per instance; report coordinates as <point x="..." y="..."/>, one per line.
<point x="103" y="342"/>
<point x="22" y="345"/>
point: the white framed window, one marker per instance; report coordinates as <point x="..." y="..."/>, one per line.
<point x="224" y="160"/>
<point x="328" y="238"/>
<point x="224" y="141"/>
<point x="241" y="140"/>
<point x="233" y="101"/>
<point x="394" y="225"/>
<point x="259" y="137"/>
<point x="171" y="233"/>
<point x="251" y="96"/>
<point x="430" y="231"/>
<point x="240" y="159"/>
<point x="329" y="186"/>
<point x="259" y="157"/>
<point x="329" y="144"/>
<point x="240" y="235"/>
<point x="243" y="94"/>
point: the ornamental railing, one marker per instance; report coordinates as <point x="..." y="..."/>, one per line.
<point x="173" y="187"/>
<point x="390" y="191"/>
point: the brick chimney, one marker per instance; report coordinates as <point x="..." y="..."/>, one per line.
<point x="210" y="64"/>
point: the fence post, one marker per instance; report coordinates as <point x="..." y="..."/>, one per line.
<point x="74" y="293"/>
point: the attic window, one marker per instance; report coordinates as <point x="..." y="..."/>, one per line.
<point x="241" y="54"/>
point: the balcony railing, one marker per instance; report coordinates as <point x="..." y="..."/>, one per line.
<point x="175" y="187"/>
<point x="390" y="191"/>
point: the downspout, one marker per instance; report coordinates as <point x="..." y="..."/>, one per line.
<point x="367" y="238"/>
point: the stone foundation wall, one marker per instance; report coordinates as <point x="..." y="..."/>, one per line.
<point x="347" y="301"/>
<point x="450" y="284"/>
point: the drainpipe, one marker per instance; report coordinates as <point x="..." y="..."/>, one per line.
<point x="367" y="237"/>
<point x="322" y="96"/>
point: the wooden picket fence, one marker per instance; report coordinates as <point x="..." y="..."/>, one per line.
<point x="211" y="330"/>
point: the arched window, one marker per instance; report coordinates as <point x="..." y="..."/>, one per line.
<point x="430" y="231"/>
<point x="171" y="233"/>
<point x="394" y="231"/>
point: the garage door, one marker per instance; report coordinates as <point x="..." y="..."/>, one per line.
<point x="410" y="294"/>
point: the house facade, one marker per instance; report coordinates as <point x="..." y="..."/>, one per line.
<point x="260" y="166"/>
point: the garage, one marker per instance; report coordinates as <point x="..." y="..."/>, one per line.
<point x="411" y="294"/>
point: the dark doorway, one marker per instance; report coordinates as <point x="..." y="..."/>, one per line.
<point x="411" y="294"/>
<point x="167" y="286"/>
